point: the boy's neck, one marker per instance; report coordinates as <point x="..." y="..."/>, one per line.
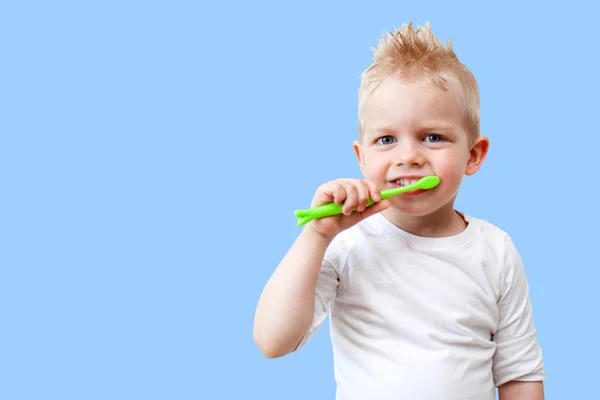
<point x="442" y="223"/>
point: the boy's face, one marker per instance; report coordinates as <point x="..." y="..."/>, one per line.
<point x="415" y="129"/>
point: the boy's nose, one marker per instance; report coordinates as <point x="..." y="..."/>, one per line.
<point x="409" y="155"/>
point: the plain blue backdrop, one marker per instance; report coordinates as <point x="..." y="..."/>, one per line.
<point x="152" y="154"/>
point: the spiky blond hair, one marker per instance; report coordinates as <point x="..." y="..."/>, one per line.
<point x="410" y="53"/>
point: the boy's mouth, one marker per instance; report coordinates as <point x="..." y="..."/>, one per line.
<point x="406" y="181"/>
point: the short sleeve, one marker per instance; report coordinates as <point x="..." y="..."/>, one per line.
<point x="518" y="354"/>
<point x="325" y="291"/>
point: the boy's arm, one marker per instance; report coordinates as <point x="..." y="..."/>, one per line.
<point x="286" y="306"/>
<point x="521" y="390"/>
<point x="518" y="364"/>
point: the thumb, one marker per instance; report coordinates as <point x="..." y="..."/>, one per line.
<point x="375" y="208"/>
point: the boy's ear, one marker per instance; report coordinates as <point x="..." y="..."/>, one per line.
<point x="477" y="154"/>
<point x="359" y="155"/>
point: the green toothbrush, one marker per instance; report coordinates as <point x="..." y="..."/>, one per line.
<point x="325" y="210"/>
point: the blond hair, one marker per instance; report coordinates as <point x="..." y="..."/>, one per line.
<point x="412" y="54"/>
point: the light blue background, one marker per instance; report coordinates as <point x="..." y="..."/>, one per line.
<point x="131" y="270"/>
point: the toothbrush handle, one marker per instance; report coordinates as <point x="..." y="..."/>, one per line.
<point x="324" y="210"/>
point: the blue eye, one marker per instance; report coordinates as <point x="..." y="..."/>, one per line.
<point x="386" y="140"/>
<point x="433" y="138"/>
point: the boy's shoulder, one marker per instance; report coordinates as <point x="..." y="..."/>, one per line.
<point x="378" y="227"/>
<point x="377" y="233"/>
<point x="487" y="230"/>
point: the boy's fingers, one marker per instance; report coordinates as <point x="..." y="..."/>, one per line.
<point x="351" y="198"/>
<point x="374" y="191"/>
<point x="339" y="194"/>
<point x="328" y="192"/>
<point x="363" y="196"/>
<point x="351" y="194"/>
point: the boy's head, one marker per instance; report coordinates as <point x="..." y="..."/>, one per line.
<point x="418" y="115"/>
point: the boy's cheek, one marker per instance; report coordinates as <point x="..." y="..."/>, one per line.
<point x="450" y="174"/>
<point x="378" y="173"/>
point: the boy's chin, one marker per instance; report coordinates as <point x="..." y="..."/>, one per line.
<point x="414" y="210"/>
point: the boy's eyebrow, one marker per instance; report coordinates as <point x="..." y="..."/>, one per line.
<point x="436" y="125"/>
<point x="381" y="128"/>
<point x="427" y="125"/>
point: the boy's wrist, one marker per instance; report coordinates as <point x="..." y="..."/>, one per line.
<point x="316" y="236"/>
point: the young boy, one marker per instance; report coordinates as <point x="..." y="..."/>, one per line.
<point x="426" y="302"/>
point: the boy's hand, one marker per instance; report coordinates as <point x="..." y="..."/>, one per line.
<point x="354" y="195"/>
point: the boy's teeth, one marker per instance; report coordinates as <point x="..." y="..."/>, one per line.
<point x="406" y="182"/>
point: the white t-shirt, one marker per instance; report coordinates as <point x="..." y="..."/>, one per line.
<point x="426" y="318"/>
